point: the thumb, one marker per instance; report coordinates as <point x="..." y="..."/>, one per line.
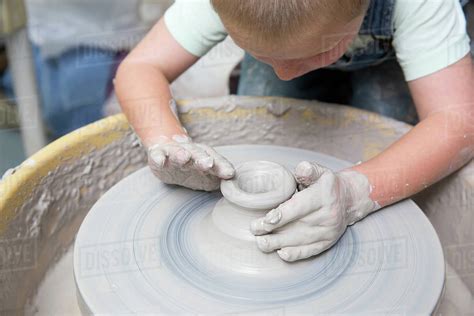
<point x="307" y="173"/>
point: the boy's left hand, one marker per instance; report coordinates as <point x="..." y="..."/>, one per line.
<point x="316" y="217"/>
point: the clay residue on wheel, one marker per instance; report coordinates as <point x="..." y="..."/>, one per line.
<point x="55" y="209"/>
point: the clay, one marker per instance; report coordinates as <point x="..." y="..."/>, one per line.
<point x="339" y="131"/>
<point x="51" y="214"/>
<point x="170" y="256"/>
<point x="56" y="294"/>
<point x="257" y="187"/>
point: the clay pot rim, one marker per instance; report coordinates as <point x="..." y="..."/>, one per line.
<point x="285" y="187"/>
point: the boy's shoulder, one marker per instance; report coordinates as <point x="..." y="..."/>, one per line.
<point x="408" y="10"/>
<point x="195" y="25"/>
<point x="429" y="35"/>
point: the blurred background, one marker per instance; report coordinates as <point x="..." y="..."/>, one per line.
<point x="58" y="59"/>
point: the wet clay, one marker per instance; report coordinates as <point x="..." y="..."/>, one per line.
<point x="339" y="131"/>
<point x="257" y="187"/>
<point x="178" y="256"/>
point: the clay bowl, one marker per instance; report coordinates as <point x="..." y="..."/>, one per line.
<point x="259" y="185"/>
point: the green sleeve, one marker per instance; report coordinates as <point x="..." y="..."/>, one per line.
<point x="195" y="25"/>
<point x="429" y="36"/>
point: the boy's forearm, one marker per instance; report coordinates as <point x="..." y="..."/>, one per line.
<point x="436" y="147"/>
<point x="144" y="95"/>
<point x="142" y="84"/>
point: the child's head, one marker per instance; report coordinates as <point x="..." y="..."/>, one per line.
<point x="293" y="36"/>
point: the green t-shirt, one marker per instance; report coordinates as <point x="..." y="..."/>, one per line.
<point x="429" y="35"/>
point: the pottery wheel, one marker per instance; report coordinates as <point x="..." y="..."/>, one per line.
<point x="146" y="247"/>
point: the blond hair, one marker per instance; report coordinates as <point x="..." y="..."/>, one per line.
<point x="278" y="20"/>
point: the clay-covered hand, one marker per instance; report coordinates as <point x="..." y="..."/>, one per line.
<point x="181" y="161"/>
<point x="316" y="217"/>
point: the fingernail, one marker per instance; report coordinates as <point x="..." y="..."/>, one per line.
<point x="284" y="255"/>
<point x="262" y="243"/>
<point x="205" y="163"/>
<point x="229" y="173"/>
<point x="182" y="156"/>
<point x="273" y="217"/>
<point x="159" y="160"/>
<point x="254" y="227"/>
<point x="305" y="169"/>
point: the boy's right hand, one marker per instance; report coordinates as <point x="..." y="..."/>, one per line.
<point x="182" y="162"/>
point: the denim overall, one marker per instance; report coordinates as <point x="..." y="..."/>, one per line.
<point x="367" y="76"/>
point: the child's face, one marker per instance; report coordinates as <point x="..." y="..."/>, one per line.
<point x="316" y="49"/>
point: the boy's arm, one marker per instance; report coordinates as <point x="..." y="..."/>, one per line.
<point x="142" y="84"/>
<point x="330" y="201"/>
<point x="142" y="87"/>
<point x="439" y="145"/>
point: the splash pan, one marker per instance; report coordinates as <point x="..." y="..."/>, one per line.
<point x="146" y="247"/>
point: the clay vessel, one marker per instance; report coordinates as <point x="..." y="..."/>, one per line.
<point x="257" y="187"/>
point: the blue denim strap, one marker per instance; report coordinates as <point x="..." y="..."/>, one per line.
<point x="377" y="31"/>
<point x="378" y="20"/>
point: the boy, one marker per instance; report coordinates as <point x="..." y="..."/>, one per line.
<point x="296" y="37"/>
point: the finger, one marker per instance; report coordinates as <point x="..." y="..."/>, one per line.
<point x="307" y="173"/>
<point x="298" y="236"/>
<point x="301" y="204"/>
<point x="291" y="254"/>
<point x="177" y="154"/>
<point x="259" y="228"/>
<point x="201" y="159"/>
<point x="157" y="158"/>
<point x="222" y="167"/>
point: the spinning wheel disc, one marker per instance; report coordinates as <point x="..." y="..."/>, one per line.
<point x="146" y="247"/>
